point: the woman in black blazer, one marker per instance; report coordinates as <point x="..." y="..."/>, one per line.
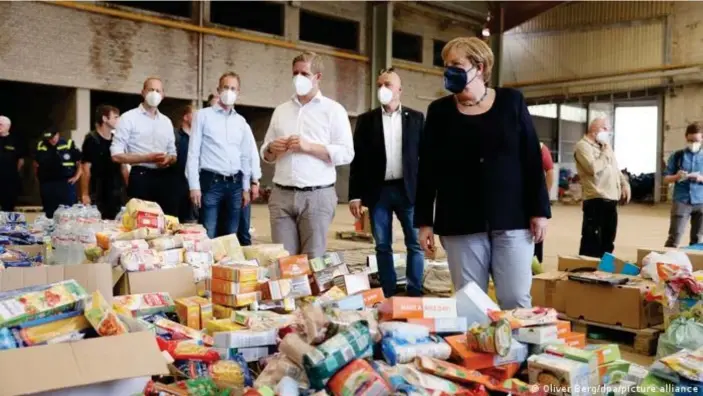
<point x="480" y="161"/>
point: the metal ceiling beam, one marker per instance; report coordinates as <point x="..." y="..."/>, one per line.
<point x="471" y="9"/>
<point x="428" y="9"/>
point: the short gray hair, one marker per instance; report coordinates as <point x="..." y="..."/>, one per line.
<point x="5" y="120"/>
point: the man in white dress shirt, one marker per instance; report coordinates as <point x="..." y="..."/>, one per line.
<point x="145" y="140"/>
<point x="383" y="177"/>
<point x="308" y="136"/>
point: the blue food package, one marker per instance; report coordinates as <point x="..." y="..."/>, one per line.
<point x="7" y="340"/>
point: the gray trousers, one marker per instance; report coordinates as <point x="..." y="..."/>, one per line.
<point x="300" y="219"/>
<point x="680" y="213"/>
<point x="504" y="255"/>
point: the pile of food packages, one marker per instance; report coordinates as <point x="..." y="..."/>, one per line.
<point x="14" y="229"/>
<point x="271" y="323"/>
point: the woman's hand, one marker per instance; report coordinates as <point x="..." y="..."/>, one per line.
<point x="426" y="236"/>
<point x="538" y="227"/>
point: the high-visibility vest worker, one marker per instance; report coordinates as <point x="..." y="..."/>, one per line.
<point x="57" y="165"/>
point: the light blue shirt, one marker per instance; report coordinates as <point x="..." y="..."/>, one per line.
<point x="221" y="142"/>
<point x="255" y="161"/>
<point x="686" y="191"/>
<point x="137" y="132"/>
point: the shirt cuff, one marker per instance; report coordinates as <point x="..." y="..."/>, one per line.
<point x="246" y="184"/>
<point x="336" y="154"/>
<point x="264" y="150"/>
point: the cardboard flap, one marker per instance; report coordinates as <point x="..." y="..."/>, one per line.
<point x="80" y="363"/>
<point x="178" y="282"/>
<point x="91" y="276"/>
<point x="570" y="263"/>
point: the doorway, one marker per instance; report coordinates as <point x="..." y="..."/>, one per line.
<point x="635" y="132"/>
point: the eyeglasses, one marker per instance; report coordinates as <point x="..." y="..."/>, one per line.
<point x="389" y="70"/>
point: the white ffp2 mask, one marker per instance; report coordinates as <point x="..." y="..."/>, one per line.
<point x="153" y="98"/>
<point x="385" y="95"/>
<point x="228" y="97"/>
<point x="302" y="85"/>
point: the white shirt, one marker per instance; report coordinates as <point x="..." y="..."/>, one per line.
<point x="393" y="139"/>
<point x="137" y="132"/>
<point x="322" y="121"/>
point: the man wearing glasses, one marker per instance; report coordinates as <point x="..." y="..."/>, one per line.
<point x="384" y="178"/>
<point x="219" y="164"/>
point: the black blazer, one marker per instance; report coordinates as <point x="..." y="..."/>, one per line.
<point x="368" y="169"/>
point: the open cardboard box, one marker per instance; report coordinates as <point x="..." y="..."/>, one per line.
<point x="696" y="256"/>
<point x="623" y="305"/>
<point x="117" y="365"/>
<point x="571" y="263"/>
<point x="178" y="282"/>
<point x="91" y="276"/>
<point x="548" y="290"/>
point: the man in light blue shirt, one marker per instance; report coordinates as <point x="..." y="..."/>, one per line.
<point x="244" y="234"/>
<point x="685" y="168"/>
<point x="145" y="140"/>
<point x="219" y="160"/>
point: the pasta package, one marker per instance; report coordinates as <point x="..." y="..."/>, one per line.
<point x="101" y="316"/>
<point x="166" y="243"/>
<point x="143" y="214"/>
<point x="227" y="246"/>
<point x="139" y="260"/>
<point x="43" y="333"/>
<point x="231" y="373"/>
<point x="144" y="304"/>
<point x="188" y="350"/>
<point x="35" y="302"/>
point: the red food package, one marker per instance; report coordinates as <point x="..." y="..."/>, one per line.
<point x="186" y="350"/>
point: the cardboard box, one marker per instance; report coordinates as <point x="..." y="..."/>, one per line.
<point x="417" y="308"/>
<point x="236" y="273"/>
<point x="473" y="304"/>
<point x="373" y="297"/>
<point x="548" y="290"/>
<point x="559" y="374"/>
<point x="479" y="360"/>
<point x="575" y="340"/>
<point x="536" y="334"/>
<point x="443" y="325"/>
<point x="228" y="287"/>
<point x="696" y="256"/>
<point x="353" y="283"/>
<point x="177" y="282"/>
<point x="194" y="312"/>
<point x="324" y="279"/>
<point x="238" y="300"/>
<point x="563" y="327"/>
<point x="623" y="305"/>
<point x="91" y="276"/>
<point x="570" y="263"/>
<point x="290" y="267"/>
<point x="107" y="362"/>
<point x="332" y="259"/>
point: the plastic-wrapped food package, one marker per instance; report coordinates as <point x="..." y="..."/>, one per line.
<point x="315" y="324"/>
<point x="397" y="351"/>
<point x="358" y="378"/>
<point x="34" y="302"/>
<point x="227" y="246"/>
<point x="47" y="329"/>
<point x="352" y="343"/>
<point x="197" y="245"/>
<point x="280" y="366"/>
<point x="166" y="243"/>
<point x="7" y="340"/>
<point x="295" y="348"/>
<point x="404" y="331"/>
<point x="231" y="373"/>
<point x="143" y="214"/>
<point x="139" y="260"/>
<point x="102" y="317"/>
<point x="341" y="320"/>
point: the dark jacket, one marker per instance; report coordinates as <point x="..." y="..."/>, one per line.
<point x="485" y="171"/>
<point x="368" y="168"/>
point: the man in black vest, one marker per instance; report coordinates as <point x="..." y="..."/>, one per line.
<point x="384" y="178"/>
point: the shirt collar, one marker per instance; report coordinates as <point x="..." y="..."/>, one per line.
<point x="397" y="111"/>
<point x="220" y="109"/>
<point x="143" y="110"/>
<point x="317" y="98"/>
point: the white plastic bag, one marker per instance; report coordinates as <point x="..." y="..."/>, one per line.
<point x="676" y="257"/>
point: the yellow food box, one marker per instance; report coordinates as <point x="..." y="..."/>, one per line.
<point x="238" y="300"/>
<point x="194" y="312"/>
<point x="228" y="287"/>
<point x="216" y="325"/>
<point x="236" y="273"/>
<point x="221" y="312"/>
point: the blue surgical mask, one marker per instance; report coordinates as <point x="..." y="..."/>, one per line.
<point x="456" y="79"/>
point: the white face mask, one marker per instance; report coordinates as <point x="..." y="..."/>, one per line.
<point x="302" y="85"/>
<point x="603" y="137"/>
<point x="153" y="98"/>
<point x="228" y="97"/>
<point x="385" y="95"/>
<point x="694" y="146"/>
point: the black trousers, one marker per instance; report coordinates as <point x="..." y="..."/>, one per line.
<point x="9" y="194"/>
<point x="600" y="224"/>
<point x="156" y="185"/>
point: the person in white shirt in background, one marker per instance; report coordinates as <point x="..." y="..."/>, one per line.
<point x="308" y="136"/>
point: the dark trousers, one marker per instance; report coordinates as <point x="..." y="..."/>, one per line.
<point x="539" y="251"/>
<point x="243" y="234"/>
<point x="55" y="193"/>
<point x="8" y="196"/>
<point x="224" y="194"/>
<point x="681" y="212"/>
<point x="600" y="224"/>
<point x="187" y="213"/>
<point x="156" y="185"/>
<point x="393" y="199"/>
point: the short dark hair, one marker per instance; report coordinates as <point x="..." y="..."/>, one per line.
<point x="230" y="74"/>
<point x="187" y="109"/>
<point x="210" y="98"/>
<point x="694" y="128"/>
<point x="104" y="110"/>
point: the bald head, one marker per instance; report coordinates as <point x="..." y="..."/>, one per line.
<point x="597" y="125"/>
<point x="4" y="126"/>
<point x="391" y="81"/>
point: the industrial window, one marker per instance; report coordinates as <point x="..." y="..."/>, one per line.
<point x="260" y="16"/>
<point x="437" y="47"/>
<point x="543" y="110"/>
<point x="175" y="8"/>
<point x="326" y="30"/>
<point x="407" y="46"/>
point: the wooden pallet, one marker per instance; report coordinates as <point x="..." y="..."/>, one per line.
<point x="29" y="209"/>
<point x="354" y="236"/>
<point x="640" y="341"/>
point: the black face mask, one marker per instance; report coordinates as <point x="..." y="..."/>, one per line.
<point x="456" y="79"/>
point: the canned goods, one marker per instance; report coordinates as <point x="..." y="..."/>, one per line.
<point x="493" y="338"/>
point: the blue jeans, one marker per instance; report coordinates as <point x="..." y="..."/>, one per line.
<point x="243" y="234"/>
<point x="218" y="192"/>
<point x="393" y="199"/>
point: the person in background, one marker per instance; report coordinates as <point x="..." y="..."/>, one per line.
<point x="244" y="231"/>
<point x="103" y="180"/>
<point x="218" y="167"/>
<point x="548" y="166"/>
<point x="603" y="186"/>
<point x="12" y="153"/>
<point x="212" y="100"/>
<point x="480" y="161"/>
<point x="383" y="177"/>
<point x="186" y="211"/>
<point x="57" y="166"/>
<point x="144" y="139"/>
<point x="685" y="169"/>
<point x="309" y="135"/>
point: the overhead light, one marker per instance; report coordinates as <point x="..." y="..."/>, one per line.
<point x="486" y="32"/>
